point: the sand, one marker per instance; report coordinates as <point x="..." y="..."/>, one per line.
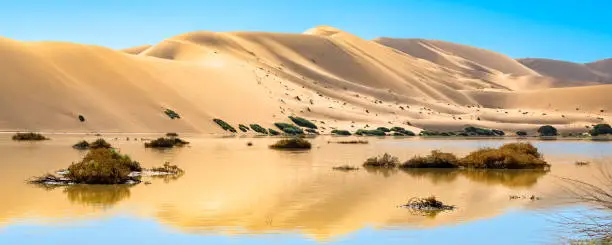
<point x="327" y="75"/>
<point x="599" y="71"/>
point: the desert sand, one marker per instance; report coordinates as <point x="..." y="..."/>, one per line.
<point x="327" y="75"/>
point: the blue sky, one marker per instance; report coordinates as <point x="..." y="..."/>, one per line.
<point x="572" y="30"/>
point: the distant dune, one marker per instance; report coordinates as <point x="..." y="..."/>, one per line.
<point x="327" y="75"/>
<point x="600" y="71"/>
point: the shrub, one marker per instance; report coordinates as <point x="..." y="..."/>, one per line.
<point x="100" y="143"/>
<point x="384" y="129"/>
<point x="172" y="135"/>
<point x="81" y="118"/>
<point x="293" y="143"/>
<point x="303" y="122"/>
<point x="366" y="132"/>
<point x="432" y="133"/>
<point x="82" y="145"/>
<point x="341" y="132"/>
<point x="508" y="156"/>
<point x="601" y="129"/>
<point x="258" y="129"/>
<point x="243" y="128"/>
<point x="521" y="133"/>
<point x="166" y="143"/>
<point x="475" y="131"/>
<point x="436" y="159"/>
<point x="547" y="130"/>
<point x="225" y="126"/>
<point x="397" y="129"/>
<point x="172" y="114"/>
<point x="273" y="132"/>
<point x="311" y="131"/>
<point x="384" y="161"/>
<point x="167" y="168"/>
<point x="29" y="137"/>
<point x="289" y="128"/>
<point x="103" y="166"/>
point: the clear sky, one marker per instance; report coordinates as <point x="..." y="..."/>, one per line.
<point x="573" y="30"/>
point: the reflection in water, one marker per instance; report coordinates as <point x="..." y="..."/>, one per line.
<point x="231" y="187"/>
<point x="506" y="178"/>
<point x="97" y="195"/>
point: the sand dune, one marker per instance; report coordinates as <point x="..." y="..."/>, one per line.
<point x="137" y="49"/>
<point x="600" y="72"/>
<point x="324" y="74"/>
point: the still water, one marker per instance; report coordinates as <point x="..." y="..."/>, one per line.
<point x="232" y="193"/>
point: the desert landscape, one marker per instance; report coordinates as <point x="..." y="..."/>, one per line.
<point x="324" y="74"/>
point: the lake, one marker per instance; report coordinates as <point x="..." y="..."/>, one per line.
<point x="232" y="193"/>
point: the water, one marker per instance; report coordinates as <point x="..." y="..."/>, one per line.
<point x="235" y="194"/>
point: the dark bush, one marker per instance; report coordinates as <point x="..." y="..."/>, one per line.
<point x="81" y="118"/>
<point x="166" y="143"/>
<point x="547" y="130"/>
<point x="384" y="161"/>
<point x="258" y="129"/>
<point x="289" y="128"/>
<point x="273" y="132"/>
<point x="436" y="159"/>
<point x="366" y="132"/>
<point x="293" y="143"/>
<point x="243" y="128"/>
<point x="508" y="156"/>
<point x="172" y="114"/>
<point x="29" y="137"/>
<point x="82" y="145"/>
<point x="225" y="126"/>
<point x="397" y="129"/>
<point x="341" y="132"/>
<point x="100" y="143"/>
<point x="601" y="129"/>
<point x="103" y="166"/>
<point x="303" y="122"/>
<point x="167" y="168"/>
<point x="172" y="135"/>
<point x="311" y="131"/>
<point x="384" y="129"/>
<point x="521" y="133"/>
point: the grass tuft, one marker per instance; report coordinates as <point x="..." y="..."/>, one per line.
<point x="384" y="161"/>
<point x="29" y="137"/>
<point x="293" y="143"/>
<point x="436" y="159"/>
<point x="166" y="143"/>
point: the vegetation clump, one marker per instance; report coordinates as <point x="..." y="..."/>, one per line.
<point x="508" y="156"/>
<point x="166" y="143"/>
<point x="399" y="131"/>
<point x="225" y="126"/>
<point x="81" y="145"/>
<point x="259" y="129"/>
<point x="350" y="142"/>
<point x="172" y="114"/>
<point x="429" y="205"/>
<point x="582" y="163"/>
<point x="168" y="169"/>
<point x="81" y="118"/>
<point x="475" y="131"/>
<point x="293" y="143"/>
<point x="29" y="137"/>
<point x="302" y="122"/>
<point x="436" y="133"/>
<point x="103" y="166"/>
<point x="365" y="132"/>
<point x="436" y="159"/>
<point x="172" y="134"/>
<point x="341" y="132"/>
<point x="273" y="132"/>
<point x="547" y="130"/>
<point x="384" y="129"/>
<point x="521" y="133"/>
<point x="100" y="143"/>
<point x="289" y="128"/>
<point x="345" y="168"/>
<point x="243" y="128"/>
<point x="384" y="161"/>
<point x="601" y="129"/>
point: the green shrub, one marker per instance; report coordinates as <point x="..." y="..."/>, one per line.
<point x="172" y="114"/>
<point x="225" y="126"/>
<point x="82" y="145"/>
<point x="100" y="143"/>
<point x="166" y="143"/>
<point x="243" y="128"/>
<point x="303" y="122"/>
<point x="81" y="118"/>
<point x="293" y="143"/>
<point x="29" y="137"/>
<point x="341" y="132"/>
<point x="273" y="132"/>
<point x="366" y="132"/>
<point x="436" y="159"/>
<point x="508" y="156"/>
<point x="475" y="131"/>
<point x="601" y="129"/>
<point x="103" y="166"/>
<point x="547" y="130"/>
<point x="258" y="129"/>
<point x="397" y="129"/>
<point x="384" y="129"/>
<point x="521" y="133"/>
<point x="384" y="161"/>
<point x="289" y="128"/>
